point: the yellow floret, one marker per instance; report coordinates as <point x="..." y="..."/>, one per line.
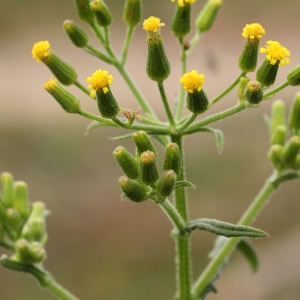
<point x="276" y="52"/>
<point x="40" y="50"/>
<point x="182" y="3"/>
<point x="100" y="80"/>
<point x="192" y="81"/>
<point x="152" y="24"/>
<point x="253" y="31"/>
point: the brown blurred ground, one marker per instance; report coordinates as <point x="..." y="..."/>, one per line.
<point x="100" y="247"/>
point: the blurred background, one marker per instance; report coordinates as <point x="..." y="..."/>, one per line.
<point x="99" y="246"/>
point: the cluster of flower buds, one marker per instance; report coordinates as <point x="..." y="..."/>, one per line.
<point x="285" y="150"/>
<point x="141" y="180"/>
<point x="22" y="226"/>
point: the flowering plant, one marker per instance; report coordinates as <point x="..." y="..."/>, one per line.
<point x="23" y="230"/>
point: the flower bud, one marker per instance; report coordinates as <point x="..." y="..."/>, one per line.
<point x="127" y="162"/>
<point x="13" y="220"/>
<point x="102" y="13"/>
<point x="294" y="117"/>
<point x="291" y="150"/>
<point x="275" y="156"/>
<point x="134" y="190"/>
<point x="143" y="143"/>
<point x="8" y="189"/>
<point x="165" y="184"/>
<point x="34" y="230"/>
<point x="279" y="135"/>
<point x="208" y="15"/>
<point x="241" y="88"/>
<point x="277" y="115"/>
<point x="21" y="201"/>
<point x="132" y="12"/>
<point x="248" y="59"/>
<point x="30" y="253"/>
<point x="76" y="34"/>
<point x="158" y="67"/>
<point x="293" y="76"/>
<point x="65" y="73"/>
<point x="296" y="164"/>
<point x="148" y="170"/>
<point x="67" y="101"/>
<point x="197" y="103"/>
<point x="107" y="104"/>
<point x="267" y="73"/>
<point x="84" y="11"/>
<point x="253" y="92"/>
<point x="180" y="25"/>
<point x="173" y="159"/>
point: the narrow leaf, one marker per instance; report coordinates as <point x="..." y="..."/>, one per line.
<point x="248" y="251"/>
<point x="219" y="136"/>
<point x="180" y="184"/>
<point x="226" y="229"/>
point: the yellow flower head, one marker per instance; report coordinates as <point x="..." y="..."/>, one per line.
<point x="253" y="31"/>
<point x="276" y="52"/>
<point x="100" y="80"/>
<point x="40" y="50"/>
<point x="152" y="24"/>
<point x="192" y="81"/>
<point x="181" y="3"/>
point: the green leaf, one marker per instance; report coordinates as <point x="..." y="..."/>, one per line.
<point x="219" y="137"/>
<point x="248" y="251"/>
<point x="180" y="184"/>
<point x="226" y="229"/>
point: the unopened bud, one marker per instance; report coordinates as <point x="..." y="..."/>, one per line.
<point x="173" y="159"/>
<point x="293" y="76"/>
<point x="134" y="190"/>
<point x="127" y="162"/>
<point x="253" y="92"/>
<point x="84" y="11"/>
<point x="277" y="115"/>
<point x="294" y="117"/>
<point x="279" y="135"/>
<point x="102" y="13"/>
<point x="165" y="184"/>
<point x="291" y="150"/>
<point x="148" y="169"/>
<point x="30" y="253"/>
<point x="143" y="142"/>
<point x="21" y="201"/>
<point x="275" y="156"/>
<point x="241" y="88"/>
<point x="76" y="34"/>
<point x="8" y="189"/>
<point x="132" y="12"/>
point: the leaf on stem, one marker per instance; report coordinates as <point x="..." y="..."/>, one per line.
<point x="226" y="229"/>
<point x="180" y="184"/>
<point x="248" y="251"/>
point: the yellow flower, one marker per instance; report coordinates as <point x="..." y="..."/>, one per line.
<point x="182" y="3"/>
<point x="276" y="52"/>
<point x="40" y="50"/>
<point x="152" y="24"/>
<point x="192" y="81"/>
<point x="100" y="80"/>
<point x="253" y="31"/>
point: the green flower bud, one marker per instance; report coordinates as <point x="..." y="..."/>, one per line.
<point x="8" y="189"/>
<point x="253" y="92"/>
<point x="248" y="59"/>
<point x="132" y="12"/>
<point x="21" y="201"/>
<point x="197" y="102"/>
<point x="294" y="117"/>
<point x="208" y="15"/>
<point x="293" y="76"/>
<point x="173" y="159"/>
<point x="267" y="73"/>
<point x="30" y="253"/>
<point x="279" y="135"/>
<point x="13" y="220"/>
<point x="143" y="143"/>
<point x="165" y="184"/>
<point x="275" y="156"/>
<point x="158" y="67"/>
<point x="127" y="162"/>
<point x="134" y="190"/>
<point x="76" y="34"/>
<point x="180" y="25"/>
<point x="148" y="169"/>
<point x="65" y="73"/>
<point x="296" y="164"/>
<point x="34" y="230"/>
<point x="67" y="101"/>
<point x="291" y="150"/>
<point x="84" y="11"/>
<point x="241" y="88"/>
<point x="102" y="13"/>
<point x="277" y="115"/>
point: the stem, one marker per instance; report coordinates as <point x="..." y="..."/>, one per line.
<point x="91" y="50"/>
<point x="228" y="89"/>
<point x="128" y="38"/>
<point x="196" y="38"/>
<point x="57" y="289"/>
<point x="277" y="89"/>
<point x="82" y="88"/>
<point x="187" y="122"/>
<point x="165" y="102"/>
<point x="253" y="210"/>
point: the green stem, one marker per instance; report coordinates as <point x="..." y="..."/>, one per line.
<point x="82" y="88"/>
<point x="195" y="40"/>
<point x="128" y="38"/>
<point x="227" y="90"/>
<point x="91" y="50"/>
<point x="253" y="210"/>
<point x="187" y="123"/>
<point x="166" y="103"/>
<point x="277" y="89"/>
